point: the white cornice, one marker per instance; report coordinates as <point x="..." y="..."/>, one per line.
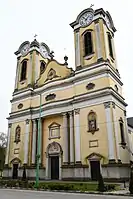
<point x="89" y="99"/>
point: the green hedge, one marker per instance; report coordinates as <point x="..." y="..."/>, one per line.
<point x="55" y="185"/>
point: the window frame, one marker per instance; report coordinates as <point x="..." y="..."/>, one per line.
<point x="42" y="62"/>
<point x="110" y="45"/>
<point x="23" y="79"/>
<point x="121" y="125"/>
<point x="54" y="126"/>
<point x="92" y="51"/>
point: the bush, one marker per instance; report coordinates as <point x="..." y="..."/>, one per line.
<point x="131" y="182"/>
<point x="100" y="183"/>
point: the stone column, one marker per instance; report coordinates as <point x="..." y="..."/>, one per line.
<point x="71" y="139"/>
<point x="60" y="169"/>
<point x="77" y="49"/>
<point x="37" y="67"/>
<point x="116" y="132"/>
<point x="98" y="41"/>
<point x="30" y="70"/>
<point x="17" y="75"/>
<point x="34" y="142"/>
<point x="126" y="129"/>
<point x="111" y="154"/>
<point x="8" y="144"/>
<point x="40" y="147"/>
<point x="65" y="139"/>
<point x="77" y="135"/>
<point x="26" y="141"/>
<point x="47" y="160"/>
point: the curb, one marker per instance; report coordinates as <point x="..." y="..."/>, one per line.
<point x="79" y="192"/>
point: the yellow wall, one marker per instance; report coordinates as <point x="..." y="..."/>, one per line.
<point x="124" y="154"/>
<point x="100" y="135"/>
<point x="20" y="145"/>
<point x="46" y="141"/>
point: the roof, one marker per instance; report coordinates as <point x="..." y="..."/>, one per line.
<point x="130" y="122"/>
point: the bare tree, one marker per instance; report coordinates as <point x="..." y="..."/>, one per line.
<point x="3" y="140"/>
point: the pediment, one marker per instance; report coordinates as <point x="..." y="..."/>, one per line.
<point x="94" y="156"/>
<point x="54" y="124"/>
<point x="54" y="71"/>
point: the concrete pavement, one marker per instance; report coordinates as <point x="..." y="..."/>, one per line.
<point x="27" y="194"/>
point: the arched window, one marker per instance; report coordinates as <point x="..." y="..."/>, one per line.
<point x="92" y="121"/>
<point x="122" y="132"/>
<point x="88" y="48"/>
<point x="23" y="70"/>
<point x="110" y="45"/>
<point x="17" y="134"/>
<point x="42" y="67"/>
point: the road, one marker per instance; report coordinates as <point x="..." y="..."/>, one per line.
<point x="26" y="194"/>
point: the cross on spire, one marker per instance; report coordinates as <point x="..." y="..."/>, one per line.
<point x="35" y="36"/>
<point x="91" y="5"/>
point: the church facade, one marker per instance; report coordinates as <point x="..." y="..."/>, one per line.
<point x="75" y="118"/>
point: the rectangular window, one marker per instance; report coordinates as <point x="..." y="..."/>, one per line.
<point x="54" y="132"/>
<point x="110" y="46"/>
<point x="122" y="133"/>
<point x="88" y="43"/>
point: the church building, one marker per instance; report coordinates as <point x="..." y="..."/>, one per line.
<point x="73" y="116"/>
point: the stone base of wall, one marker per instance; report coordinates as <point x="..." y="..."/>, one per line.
<point x="109" y="173"/>
<point x="30" y="173"/>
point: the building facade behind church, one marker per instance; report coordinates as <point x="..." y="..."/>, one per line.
<point x="83" y="127"/>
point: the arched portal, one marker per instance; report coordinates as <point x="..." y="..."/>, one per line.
<point x="53" y="161"/>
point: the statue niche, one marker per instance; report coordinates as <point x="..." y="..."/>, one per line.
<point x="92" y="122"/>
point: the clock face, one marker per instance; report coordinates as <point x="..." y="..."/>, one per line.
<point x="25" y="49"/>
<point x="86" y="19"/>
<point x="44" y="51"/>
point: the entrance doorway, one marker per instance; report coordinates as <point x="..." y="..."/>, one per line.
<point x="15" y="171"/>
<point x="95" y="170"/>
<point x="54" y="167"/>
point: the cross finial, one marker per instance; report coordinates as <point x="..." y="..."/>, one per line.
<point x="35" y="36"/>
<point x="91" y="5"/>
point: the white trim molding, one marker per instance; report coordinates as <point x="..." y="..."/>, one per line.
<point x="111" y="155"/>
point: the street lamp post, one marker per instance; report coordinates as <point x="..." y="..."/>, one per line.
<point x="38" y="144"/>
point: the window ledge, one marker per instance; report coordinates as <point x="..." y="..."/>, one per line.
<point x="93" y="131"/>
<point x="22" y="82"/>
<point x="112" y="58"/>
<point x="89" y="56"/>
<point x="56" y="137"/>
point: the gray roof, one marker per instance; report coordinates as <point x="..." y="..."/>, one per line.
<point x="130" y="121"/>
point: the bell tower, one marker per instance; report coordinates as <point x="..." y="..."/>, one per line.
<point x="31" y="60"/>
<point x="94" y="38"/>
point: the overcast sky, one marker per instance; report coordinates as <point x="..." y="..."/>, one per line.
<point x="21" y="19"/>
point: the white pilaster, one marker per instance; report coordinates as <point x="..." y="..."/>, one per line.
<point x="40" y="147"/>
<point x="26" y="141"/>
<point x="34" y="142"/>
<point x="30" y="70"/>
<point x="47" y="161"/>
<point x="17" y="74"/>
<point x="126" y="129"/>
<point x="60" y="170"/>
<point x="8" y="144"/>
<point x="106" y="41"/>
<point x="37" y="67"/>
<point x="65" y="139"/>
<point x="77" y="135"/>
<point x="98" y="41"/>
<point x="111" y="154"/>
<point x="71" y="139"/>
<point x="116" y="132"/>
<point x="77" y="49"/>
